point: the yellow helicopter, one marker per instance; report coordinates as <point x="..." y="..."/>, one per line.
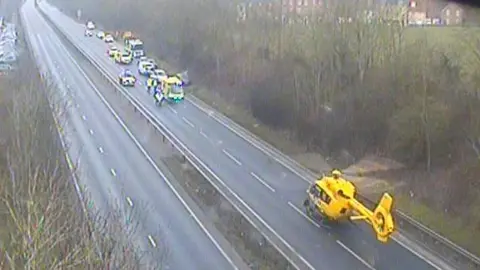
<point x="333" y="199"/>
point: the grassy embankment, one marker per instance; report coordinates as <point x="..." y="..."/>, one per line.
<point x="452" y="227"/>
<point x="42" y="224"/>
<point x="412" y="104"/>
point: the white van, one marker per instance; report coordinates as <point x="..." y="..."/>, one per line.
<point x="90" y="25"/>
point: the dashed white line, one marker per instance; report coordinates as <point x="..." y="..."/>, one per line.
<point x="188" y="122"/>
<point x="100" y="149"/>
<point x="396" y="239"/>
<point x="152" y="242"/>
<point x="231" y="157"/>
<point x="173" y="110"/>
<point x="355" y="255"/>
<point x="129" y="201"/>
<point x="303" y="214"/>
<point x="203" y="134"/>
<point x="84" y="117"/>
<point x="153" y="163"/>
<point x="112" y="171"/>
<point x="262" y="181"/>
<point x="91" y="132"/>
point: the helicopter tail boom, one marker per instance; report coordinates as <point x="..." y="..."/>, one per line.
<point x="381" y="218"/>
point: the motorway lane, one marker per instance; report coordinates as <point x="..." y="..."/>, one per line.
<point x="125" y="168"/>
<point x="179" y="232"/>
<point x="191" y="124"/>
<point x="182" y="128"/>
<point x="81" y="147"/>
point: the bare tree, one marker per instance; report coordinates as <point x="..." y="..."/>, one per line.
<point x="43" y="223"/>
<point x="349" y="77"/>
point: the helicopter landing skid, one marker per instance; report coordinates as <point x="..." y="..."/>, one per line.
<point x="322" y="221"/>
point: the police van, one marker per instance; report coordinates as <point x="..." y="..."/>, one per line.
<point x="136" y="47"/>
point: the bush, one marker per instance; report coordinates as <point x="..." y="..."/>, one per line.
<point x="42" y="222"/>
<point x="366" y="87"/>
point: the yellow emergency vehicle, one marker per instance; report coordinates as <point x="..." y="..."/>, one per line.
<point x="172" y="89"/>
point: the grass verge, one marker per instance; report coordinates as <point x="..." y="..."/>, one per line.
<point x="282" y="141"/>
<point x="42" y="222"/>
<point x="452" y="228"/>
<point x="255" y="250"/>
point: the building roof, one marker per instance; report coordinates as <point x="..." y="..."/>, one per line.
<point x="451" y="5"/>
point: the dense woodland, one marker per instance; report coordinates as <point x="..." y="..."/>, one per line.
<point x="410" y="94"/>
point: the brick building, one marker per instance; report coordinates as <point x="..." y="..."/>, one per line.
<point x="433" y="12"/>
<point x="453" y="14"/>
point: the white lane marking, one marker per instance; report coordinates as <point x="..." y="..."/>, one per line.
<point x="84" y="117"/>
<point x="283" y="159"/>
<point x="152" y="242"/>
<point x="188" y="122"/>
<point x="152" y="162"/>
<point x="254" y="140"/>
<point x="129" y="201"/>
<point x="418" y="254"/>
<point x="91" y="132"/>
<point x="303" y="214"/>
<point x="78" y="188"/>
<point x="100" y="149"/>
<point x="68" y="86"/>
<point x="270" y="151"/>
<point x="203" y="134"/>
<point x="257" y="216"/>
<point x="231" y="157"/>
<point x="64" y="79"/>
<point x="173" y="110"/>
<point x="262" y="181"/>
<point x="113" y="172"/>
<point x="355" y="255"/>
<point x="225" y="195"/>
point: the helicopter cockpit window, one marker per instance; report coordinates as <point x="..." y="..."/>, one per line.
<point x="324" y="197"/>
<point x="177" y="88"/>
<point x="315" y="191"/>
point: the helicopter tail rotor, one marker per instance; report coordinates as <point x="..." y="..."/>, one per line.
<point x="383" y="223"/>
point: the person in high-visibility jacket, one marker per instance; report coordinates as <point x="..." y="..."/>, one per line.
<point x="151" y="83"/>
<point x="158" y="96"/>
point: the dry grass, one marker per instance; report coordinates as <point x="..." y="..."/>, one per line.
<point x="455" y="229"/>
<point x="441" y="38"/>
<point x="247" y="241"/>
<point x="42" y="222"/>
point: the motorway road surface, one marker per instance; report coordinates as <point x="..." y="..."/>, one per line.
<point x="274" y="192"/>
<point x="7" y="9"/>
<point x="112" y="166"/>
